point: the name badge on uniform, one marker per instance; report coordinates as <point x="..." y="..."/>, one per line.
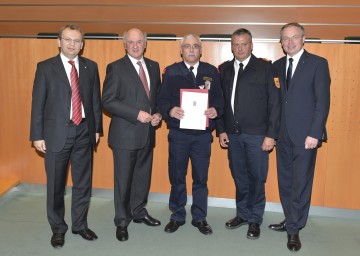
<point x="277" y="82"/>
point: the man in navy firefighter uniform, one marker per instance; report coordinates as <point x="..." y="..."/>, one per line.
<point x="248" y="128"/>
<point x="191" y="73"/>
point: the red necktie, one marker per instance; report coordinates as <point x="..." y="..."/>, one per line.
<point x="75" y="95"/>
<point x="143" y="78"/>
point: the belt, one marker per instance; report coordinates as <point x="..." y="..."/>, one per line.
<point x="72" y="122"/>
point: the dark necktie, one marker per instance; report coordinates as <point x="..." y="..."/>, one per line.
<point x="192" y="74"/>
<point x="237" y="92"/>
<point x="143" y="78"/>
<point x="289" y="73"/>
<point x="75" y="95"/>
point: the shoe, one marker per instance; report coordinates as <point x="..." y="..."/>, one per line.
<point x="122" y="234"/>
<point x="173" y="225"/>
<point x="148" y="220"/>
<point x="235" y="223"/>
<point x="294" y="243"/>
<point x="203" y="227"/>
<point x="86" y="233"/>
<point x="253" y="231"/>
<point x="58" y="240"/>
<point x="281" y="227"/>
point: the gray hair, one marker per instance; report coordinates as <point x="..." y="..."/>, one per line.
<point x="190" y="36"/>
<point x="292" y="24"/>
<point x="144" y="34"/>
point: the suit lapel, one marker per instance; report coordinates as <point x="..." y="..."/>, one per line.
<point x="83" y="78"/>
<point x="134" y="74"/>
<point x="298" y="70"/>
<point x="186" y="73"/>
<point x="152" y="82"/>
<point x="59" y="69"/>
<point x="230" y="75"/>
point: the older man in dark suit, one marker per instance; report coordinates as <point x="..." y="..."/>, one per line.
<point x="66" y="120"/>
<point x="129" y="95"/>
<point x="305" y="94"/>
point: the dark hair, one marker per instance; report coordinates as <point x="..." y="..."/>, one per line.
<point x="72" y="27"/>
<point x="292" y="24"/>
<point x="240" y="32"/>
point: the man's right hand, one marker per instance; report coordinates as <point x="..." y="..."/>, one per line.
<point x="40" y="145"/>
<point x="177" y="113"/>
<point x="224" y="140"/>
<point x="144" y="117"/>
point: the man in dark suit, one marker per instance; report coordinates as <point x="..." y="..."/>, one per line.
<point x="305" y="95"/>
<point x="129" y="95"/>
<point x="248" y="128"/>
<point x="191" y="73"/>
<point x="66" y="120"/>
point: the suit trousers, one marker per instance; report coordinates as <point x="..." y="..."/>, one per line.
<point x="132" y="180"/>
<point x="77" y="151"/>
<point x="198" y="148"/>
<point x="296" y="167"/>
<point x="249" y="168"/>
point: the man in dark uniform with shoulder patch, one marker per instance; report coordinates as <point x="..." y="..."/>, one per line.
<point x="191" y="73"/>
<point x="248" y="128"/>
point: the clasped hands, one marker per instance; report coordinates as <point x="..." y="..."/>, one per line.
<point x="178" y="113"/>
<point x="145" y="117"/>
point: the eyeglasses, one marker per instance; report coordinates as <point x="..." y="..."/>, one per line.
<point x="69" y="40"/>
<point x="189" y="46"/>
<point x="286" y="39"/>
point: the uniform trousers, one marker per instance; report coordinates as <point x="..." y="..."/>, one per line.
<point x="197" y="148"/>
<point x="249" y="167"/>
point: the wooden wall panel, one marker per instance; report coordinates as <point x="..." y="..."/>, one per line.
<point x="336" y="174"/>
<point x="327" y="19"/>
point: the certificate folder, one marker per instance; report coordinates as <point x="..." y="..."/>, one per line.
<point x="194" y="102"/>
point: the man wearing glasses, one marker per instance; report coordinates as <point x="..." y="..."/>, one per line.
<point x="66" y="120"/>
<point x="304" y="80"/>
<point x="185" y="144"/>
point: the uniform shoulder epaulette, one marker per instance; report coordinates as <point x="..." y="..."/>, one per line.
<point x="265" y="59"/>
<point x="227" y="61"/>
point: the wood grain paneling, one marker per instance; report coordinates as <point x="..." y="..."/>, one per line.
<point x="326" y="19"/>
<point x="336" y="175"/>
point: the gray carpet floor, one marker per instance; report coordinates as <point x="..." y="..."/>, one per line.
<point x="24" y="231"/>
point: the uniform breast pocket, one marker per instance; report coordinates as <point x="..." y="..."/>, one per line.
<point x="257" y="90"/>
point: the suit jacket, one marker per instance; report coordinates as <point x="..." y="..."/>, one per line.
<point x="305" y="106"/>
<point x="51" y="101"/>
<point x="178" y="76"/>
<point x="123" y="97"/>
<point x="259" y="100"/>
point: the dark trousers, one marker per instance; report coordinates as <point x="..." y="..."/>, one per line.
<point x="249" y="167"/>
<point x="198" y="148"/>
<point x="77" y="151"/>
<point x="295" y="178"/>
<point x="132" y="180"/>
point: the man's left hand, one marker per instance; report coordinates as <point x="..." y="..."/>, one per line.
<point x="211" y="113"/>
